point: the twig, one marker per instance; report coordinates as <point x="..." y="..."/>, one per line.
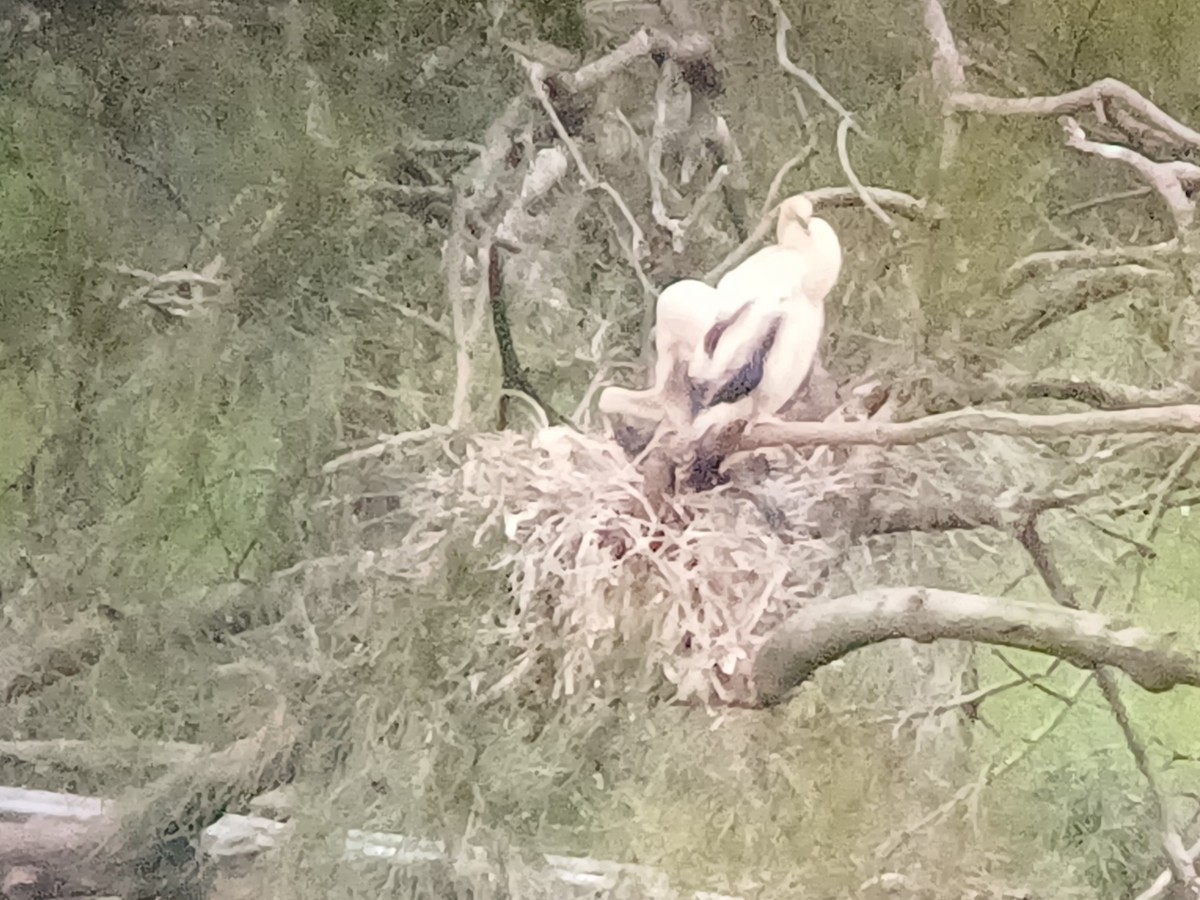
<point x="777" y="182"/>
<point x="1054" y="260"/>
<point x="1158" y="507"/>
<point x="655" y="153"/>
<point x="710" y="191"/>
<point x="999" y="388"/>
<point x="844" y="158"/>
<point x="989" y="775"/>
<point x="442" y="146"/>
<point x="1158" y="889"/>
<point x="429" y="322"/>
<point x="783" y="26"/>
<point x="1107" y="198"/>
<point x="389" y="442"/>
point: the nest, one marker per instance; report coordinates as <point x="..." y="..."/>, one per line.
<point x="600" y="584"/>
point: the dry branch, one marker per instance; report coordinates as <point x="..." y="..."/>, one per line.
<point x="991" y="773"/>
<point x="1183" y="867"/>
<point x="868" y="201"/>
<point x="997" y="388"/>
<point x="1054" y="260"/>
<point x="1163" y="420"/>
<point x="784" y="25"/>
<point x="1135" y="114"/>
<point x="1085" y="98"/>
<point x="824" y="632"/>
<point x="633" y="252"/>
<point x="1174" y="180"/>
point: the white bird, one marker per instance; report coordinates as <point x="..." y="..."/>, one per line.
<point x="685" y="312"/>
<point x="751" y="363"/>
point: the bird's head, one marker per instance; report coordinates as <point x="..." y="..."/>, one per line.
<point x="795" y="214"/>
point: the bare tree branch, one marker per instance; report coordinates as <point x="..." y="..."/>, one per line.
<point x="537" y="76"/>
<point x="1138" y="116"/>
<point x="823" y="632"/>
<point x="638" y="47"/>
<point x="990" y="774"/>
<point x="844" y="157"/>
<point x="1084" y="98"/>
<point x="999" y="388"/>
<point x="784" y="25"/>
<point x="1174" y="180"/>
<point x="1182" y="865"/>
<point x="1053" y="260"/>
<point x="1163" y="420"/>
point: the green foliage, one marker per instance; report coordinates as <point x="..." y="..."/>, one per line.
<point x="1102" y="820"/>
<point x="560" y="22"/>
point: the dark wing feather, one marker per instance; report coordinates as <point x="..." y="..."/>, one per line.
<point x="713" y="336"/>
<point x="743" y="381"/>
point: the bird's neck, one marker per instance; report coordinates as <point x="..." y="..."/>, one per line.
<point x="793" y="234"/>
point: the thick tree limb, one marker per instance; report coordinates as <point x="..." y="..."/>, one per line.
<point x="824" y="632"/>
<point x="1163" y="420"/>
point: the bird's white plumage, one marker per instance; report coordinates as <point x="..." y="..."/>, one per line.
<point x="785" y="286"/>
<point x="684" y="313"/>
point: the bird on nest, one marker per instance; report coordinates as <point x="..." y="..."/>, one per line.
<point x="685" y="312"/>
<point x="752" y="361"/>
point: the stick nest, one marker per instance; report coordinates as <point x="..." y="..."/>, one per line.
<point x="606" y="594"/>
